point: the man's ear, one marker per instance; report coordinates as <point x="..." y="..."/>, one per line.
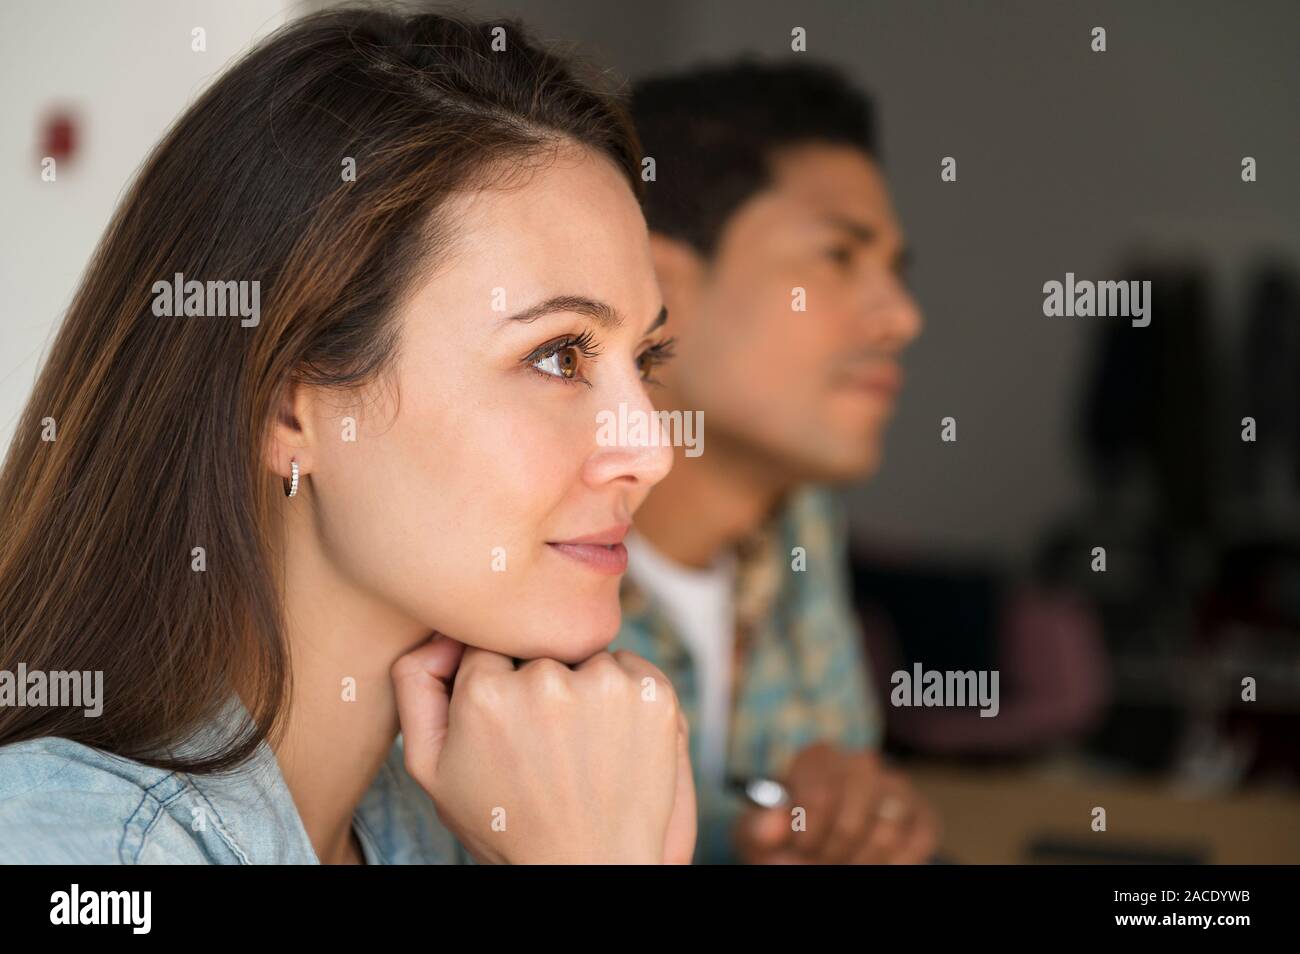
<point x="292" y="435"/>
<point x="680" y="270"/>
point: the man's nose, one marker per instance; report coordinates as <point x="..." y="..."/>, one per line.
<point x="892" y="316"/>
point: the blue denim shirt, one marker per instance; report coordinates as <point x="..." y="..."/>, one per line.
<point x="62" y="802"/>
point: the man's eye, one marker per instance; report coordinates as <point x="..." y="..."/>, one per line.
<point x="840" y="255"/>
<point x="562" y="363"/>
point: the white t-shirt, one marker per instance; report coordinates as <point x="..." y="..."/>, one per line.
<point x="700" y="606"/>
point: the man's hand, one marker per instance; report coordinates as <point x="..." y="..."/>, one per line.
<point x="857" y="811"/>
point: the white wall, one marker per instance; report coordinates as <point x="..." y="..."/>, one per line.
<point x="127" y="69"/>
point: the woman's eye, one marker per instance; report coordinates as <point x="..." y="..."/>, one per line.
<point x="653" y="357"/>
<point x="645" y="365"/>
<point x="562" y="363"/>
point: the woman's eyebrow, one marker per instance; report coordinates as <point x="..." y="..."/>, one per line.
<point x="659" y="319"/>
<point x="578" y="304"/>
<point x="599" y="311"/>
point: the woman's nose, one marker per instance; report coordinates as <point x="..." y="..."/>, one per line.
<point x="634" y="441"/>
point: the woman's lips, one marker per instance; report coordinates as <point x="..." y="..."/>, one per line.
<point x="603" y="558"/>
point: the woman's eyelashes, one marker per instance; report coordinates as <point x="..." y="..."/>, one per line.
<point x="652" y="357"/>
<point x="559" y="359"/>
<point x="565" y="359"/>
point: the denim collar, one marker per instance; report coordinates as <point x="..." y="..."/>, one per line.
<point x="253" y="811"/>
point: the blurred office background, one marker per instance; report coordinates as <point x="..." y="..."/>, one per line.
<point x="1120" y="689"/>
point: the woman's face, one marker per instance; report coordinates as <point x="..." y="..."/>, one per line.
<point x="476" y="498"/>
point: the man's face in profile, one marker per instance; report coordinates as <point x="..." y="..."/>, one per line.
<point x="805" y="391"/>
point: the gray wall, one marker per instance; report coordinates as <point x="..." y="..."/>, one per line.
<point x="1067" y="161"/>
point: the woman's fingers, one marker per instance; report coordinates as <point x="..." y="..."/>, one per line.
<point x="483" y="661"/>
<point x="422" y="681"/>
<point x="679" y="842"/>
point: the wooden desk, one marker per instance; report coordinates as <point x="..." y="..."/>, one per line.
<point x="992" y="816"/>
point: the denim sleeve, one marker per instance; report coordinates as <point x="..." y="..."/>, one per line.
<point x="60" y="807"/>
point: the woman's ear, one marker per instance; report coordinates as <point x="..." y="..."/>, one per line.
<point x="292" y="435"/>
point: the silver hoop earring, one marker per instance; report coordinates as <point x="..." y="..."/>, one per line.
<point x="292" y="489"/>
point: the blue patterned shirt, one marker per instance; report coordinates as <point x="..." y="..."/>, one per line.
<point x="799" y="672"/>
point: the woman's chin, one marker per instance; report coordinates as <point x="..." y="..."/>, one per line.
<point x="576" y="632"/>
<point x="579" y="637"/>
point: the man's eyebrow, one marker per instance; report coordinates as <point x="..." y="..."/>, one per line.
<point x="578" y="304"/>
<point x="904" y="258"/>
<point x="859" y="230"/>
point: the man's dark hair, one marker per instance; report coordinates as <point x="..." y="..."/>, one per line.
<point x="713" y="130"/>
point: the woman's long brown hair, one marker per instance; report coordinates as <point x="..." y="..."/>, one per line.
<point x="160" y="422"/>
